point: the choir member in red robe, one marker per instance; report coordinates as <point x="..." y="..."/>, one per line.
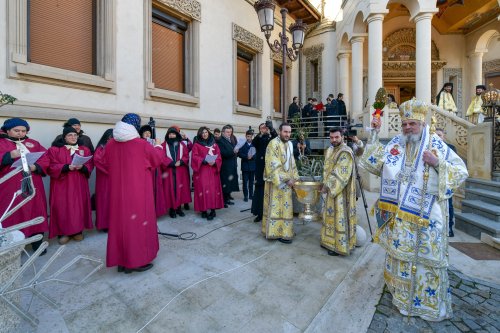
<point x="206" y="175"/>
<point x="145" y="132"/>
<point x="102" y="184"/>
<point x="175" y="168"/>
<point x="132" y="236"/>
<point x="70" y="209"/>
<point x="13" y="139"/>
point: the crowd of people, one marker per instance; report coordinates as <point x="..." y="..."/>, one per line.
<point x="139" y="179"/>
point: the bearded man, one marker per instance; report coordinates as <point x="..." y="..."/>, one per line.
<point x="419" y="174"/>
<point x="338" y="233"/>
<point x="280" y="175"/>
<point x="475" y="109"/>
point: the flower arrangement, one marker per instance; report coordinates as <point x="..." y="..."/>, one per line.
<point x="379" y="103"/>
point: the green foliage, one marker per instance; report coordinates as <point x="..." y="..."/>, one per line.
<point x="310" y="167"/>
<point x="6" y="99"/>
<point x="298" y="128"/>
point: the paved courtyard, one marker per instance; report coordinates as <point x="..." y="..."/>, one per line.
<point x="231" y="279"/>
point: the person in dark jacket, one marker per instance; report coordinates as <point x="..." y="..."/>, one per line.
<point x="229" y="169"/>
<point x="294" y="108"/>
<point x="247" y="155"/>
<point x="85" y="140"/>
<point x="260" y="143"/>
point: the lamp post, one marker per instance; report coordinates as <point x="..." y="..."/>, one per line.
<point x="265" y="12"/>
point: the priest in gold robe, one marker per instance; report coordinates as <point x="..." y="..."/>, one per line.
<point x="338" y="233"/>
<point x="475" y="108"/>
<point x="445" y="100"/>
<point x="419" y="173"/>
<point x="280" y="175"/>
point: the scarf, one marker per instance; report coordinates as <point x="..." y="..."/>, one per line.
<point x="288" y="154"/>
<point x="175" y="144"/>
<point x="124" y="132"/>
<point x="19" y="144"/>
<point x="72" y="149"/>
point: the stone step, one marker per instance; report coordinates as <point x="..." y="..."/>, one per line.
<point x="474" y="224"/>
<point x="482" y="208"/>
<point x="492" y="197"/>
<point x="476" y="183"/>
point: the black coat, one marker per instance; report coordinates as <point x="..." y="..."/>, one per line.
<point x="83" y="140"/>
<point x="246" y="164"/>
<point x="229" y="168"/>
<point x="293" y="109"/>
<point x="260" y="143"/>
<point x="341" y="107"/>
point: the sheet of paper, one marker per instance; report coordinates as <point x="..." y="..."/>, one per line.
<point x="211" y="158"/>
<point x="80" y="160"/>
<point x="241" y="142"/>
<point x="31" y="158"/>
<point x="251" y="152"/>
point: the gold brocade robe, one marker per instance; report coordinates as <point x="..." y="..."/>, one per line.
<point x="446" y="102"/>
<point x="338" y="232"/>
<point x="416" y="262"/>
<point x="475" y="108"/>
<point x="277" y="220"/>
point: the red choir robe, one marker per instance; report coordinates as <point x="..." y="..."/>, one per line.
<point x="101" y="190"/>
<point x="206" y="178"/>
<point x="132" y="234"/>
<point x="70" y="209"/>
<point x="176" y="182"/>
<point x="160" y="204"/>
<point x="36" y="206"/>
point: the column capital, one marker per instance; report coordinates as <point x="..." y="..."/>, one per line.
<point x="344" y="54"/>
<point x="375" y="17"/>
<point x="357" y="39"/>
<point x="477" y="54"/>
<point x="423" y="16"/>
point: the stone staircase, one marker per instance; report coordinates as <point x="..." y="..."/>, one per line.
<point x="480" y="208"/>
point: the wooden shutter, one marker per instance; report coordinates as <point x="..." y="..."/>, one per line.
<point x="243" y="78"/>
<point x="277" y="91"/>
<point x="168" y="58"/>
<point x="62" y="34"/>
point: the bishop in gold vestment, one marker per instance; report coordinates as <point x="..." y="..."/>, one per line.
<point x="476" y="105"/>
<point x="338" y="233"/>
<point x="419" y="173"/>
<point x="279" y="175"/>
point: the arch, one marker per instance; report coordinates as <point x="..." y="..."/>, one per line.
<point x="482" y="42"/>
<point x="416" y="7"/>
<point x="344" y="42"/>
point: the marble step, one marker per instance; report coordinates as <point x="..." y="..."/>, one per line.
<point x="488" y="196"/>
<point x="474" y="224"/>
<point x="482" y="208"/>
<point x="476" y="183"/>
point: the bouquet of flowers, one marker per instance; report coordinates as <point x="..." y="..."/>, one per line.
<point x="379" y="103"/>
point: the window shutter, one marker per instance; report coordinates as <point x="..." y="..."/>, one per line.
<point x="168" y="58"/>
<point x="62" y="34"/>
<point x="243" y="81"/>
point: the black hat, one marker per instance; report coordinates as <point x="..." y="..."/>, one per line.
<point x="71" y="122"/>
<point x="67" y="130"/>
<point x="448" y="84"/>
<point x="145" y="128"/>
<point x="173" y="130"/>
<point x="481" y="86"/>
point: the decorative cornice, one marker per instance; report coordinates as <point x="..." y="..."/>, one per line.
<point x="247" y="38"/>
<point x="491" y="66"/>
<point x="278" y="58"/>
<point x="191" y="8"/>
<point x="314" y="51"/>
<point x="409" y="66"/>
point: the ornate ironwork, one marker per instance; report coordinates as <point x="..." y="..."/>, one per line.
<point x="491" y="107"/>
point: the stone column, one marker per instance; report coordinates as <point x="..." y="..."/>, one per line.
<point x="476" y="66"/>
<point x="357" y="75"/>
<point x="423" y="56"/>
<point x="374" y="55"/>
<point x="344" y="76"/>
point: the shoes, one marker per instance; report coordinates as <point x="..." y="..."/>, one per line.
<point x="138" y="269"/>
<point x="332" y="253"/>
<point x="230" y="202"/>
<point x="63" y="240"/>
<point x="120" y="269"/>
<point x="78" y="237"/>
<point x="225" y="205"/>
<point x="285" y="241"/>
<point x="451" y="234"/>
<point x="230" y="197"/>
<point x="245" y="199"/>
<point x="258" y="218"/>
<point x="204" y="215"/>
<point x="212" y="213"/>
<point x="180" y="212"/>
<point x="250" y="197"/>
<point x="171" y="213"/>
<point x="186" y="206"/>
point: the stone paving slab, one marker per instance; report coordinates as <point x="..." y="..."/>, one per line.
<point x="476" y="308"/>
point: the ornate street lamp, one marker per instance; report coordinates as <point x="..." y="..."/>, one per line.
<point x="265" y="12"/>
